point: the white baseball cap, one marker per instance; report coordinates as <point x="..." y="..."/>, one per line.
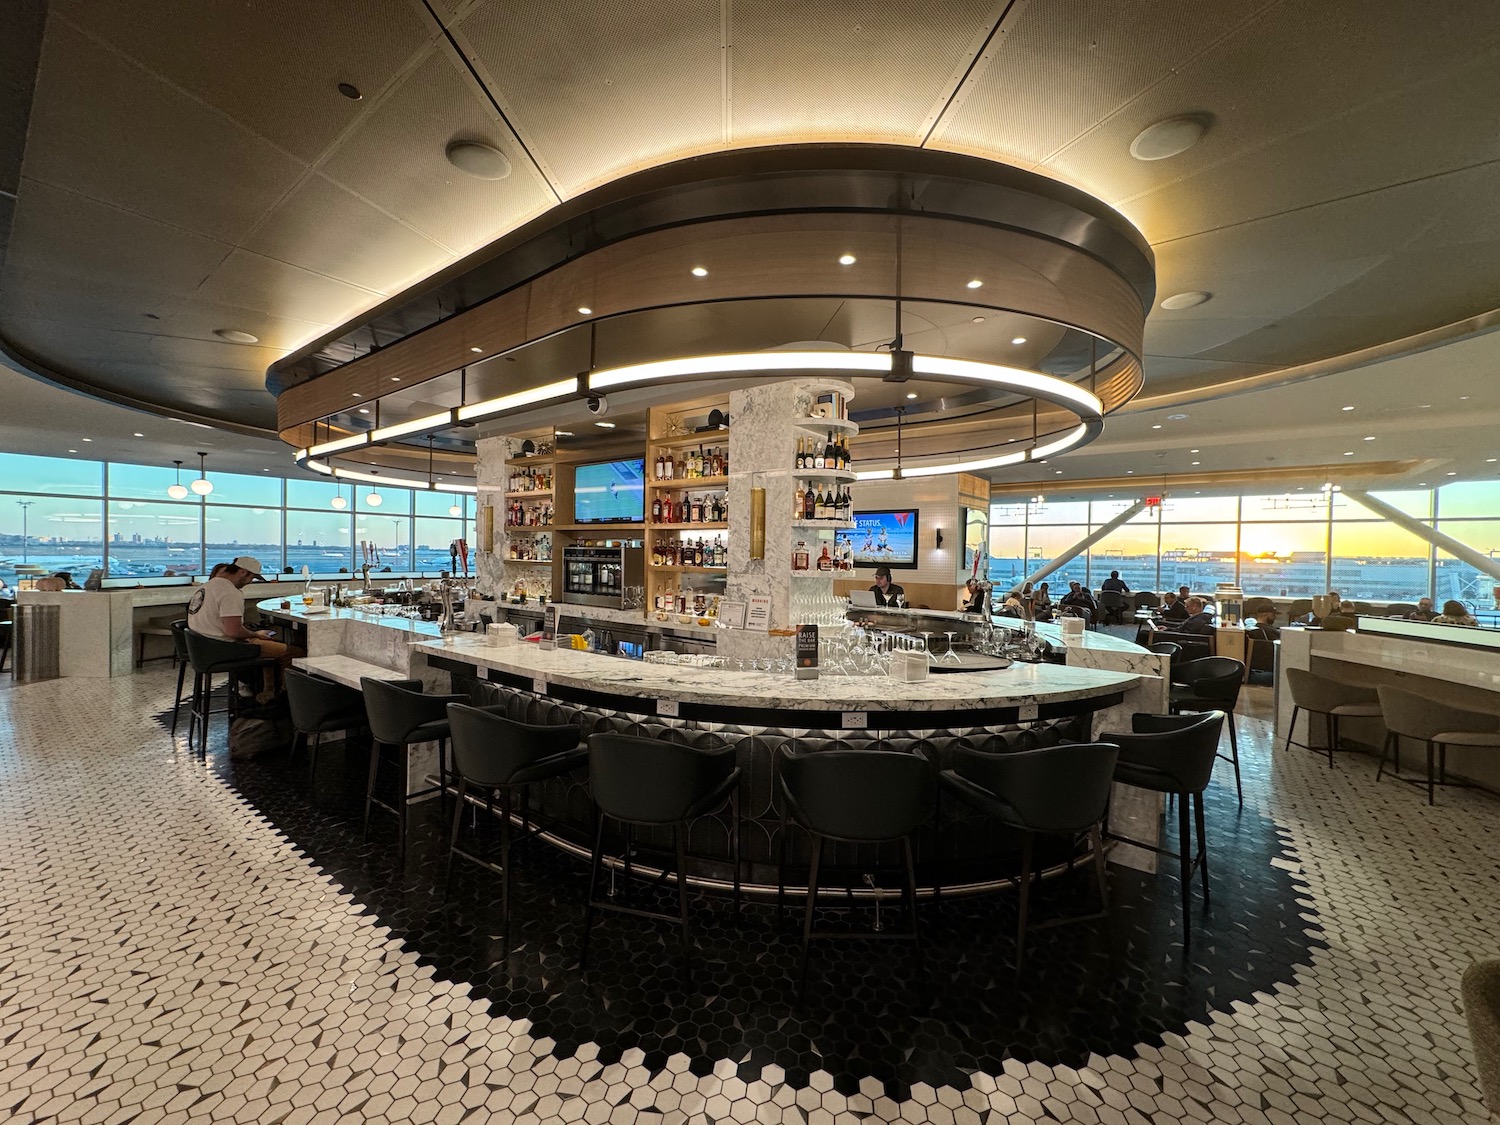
<point x="250" y="563"/>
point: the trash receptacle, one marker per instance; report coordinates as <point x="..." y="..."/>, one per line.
<point x="38" y="631"/>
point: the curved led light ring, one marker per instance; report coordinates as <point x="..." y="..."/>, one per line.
<point x="740" y="363"/>
<point x="395" y="482"/>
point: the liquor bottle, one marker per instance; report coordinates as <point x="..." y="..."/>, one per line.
<point x="680" y="472"/>
<point x="825" y="560"/>
<point x="656" y="509"/>
<point x="830" y="460"/>
<point x="809" y="505"/>
<point x="696" y="515"/>
<point x="666" y="466"/>
<point x="799" y="500"/>
<point x="800" y="557"/>
<point x="656" y="548"/>
<point x="659" y="469"/>
<point x="817" y="455"/>
<point x="702" y="462"/>
<point x="820" y="506"/>
<point x="718" y="462"/>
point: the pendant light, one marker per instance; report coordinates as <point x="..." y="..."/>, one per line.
<point x="178" y="491"/>
<point x="338" y="502"/>
<point x="455" y="510"/>
<point x="373" y="500"/>
<point x="202" y="486"/>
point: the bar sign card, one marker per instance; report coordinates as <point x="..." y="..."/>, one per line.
<point x="549" y="627"/>
<point x="807" y="652"/>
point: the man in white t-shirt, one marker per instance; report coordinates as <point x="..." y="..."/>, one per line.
<point x="217" y="609"/>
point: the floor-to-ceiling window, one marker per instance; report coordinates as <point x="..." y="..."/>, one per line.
<point x="80" y="516"/>
<point x="1293" y="544"/>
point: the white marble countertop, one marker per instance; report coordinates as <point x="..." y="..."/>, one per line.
<point x="1018" y="685"/>
<point x="272" y="607"/>
<point x="344" y="669"/>
<point x="1097" y="641"/>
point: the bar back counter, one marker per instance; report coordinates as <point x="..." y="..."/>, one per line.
<point x="757" y="712"/>
<point x="1447" y="663"/>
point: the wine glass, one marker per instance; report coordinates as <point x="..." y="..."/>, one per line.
<point x="950" y="657"/>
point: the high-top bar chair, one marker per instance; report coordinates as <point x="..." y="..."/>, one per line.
<point x="496" y="755"/>
<point x="319" y="706"/>
<point x="1334" y="700"/>
<point x="1211" y="683"/>
<point x="211" y="656"/>
<point x="859" y="797"/>
<point x="1173" y="754"/>
<point x="400" y="716"/>
<point x="1439" y="725"/>
<point x="1055" y="791"/>
<point x="644" y="782"/>
<point x="180" y="649"/>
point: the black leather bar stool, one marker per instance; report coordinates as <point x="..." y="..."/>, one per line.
<point x="319" y="706"/>
<point x="179" y="649"/>
<point x="1173" y="754"/>
<point x="858" y="797"/>
<point x="1054" y="791"/>
<point x="1212" y="683"/>
<point x="657" y="784"/>
<point x="498" y="755"/>
<point x="211" y="656"/>
<point x="400" y="716"/>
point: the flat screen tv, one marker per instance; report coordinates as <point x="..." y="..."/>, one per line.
<point x="887" y="538"/>
<point x="610" y="492"/>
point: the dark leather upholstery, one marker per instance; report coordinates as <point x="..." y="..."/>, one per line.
<point x="1059" y="789"/>
<point x="490" y="751"/>
<point x="1168" y="753"/>
<point x="643" y="781"/>
<point x="319" y="705"/>
<point x="399" y="713"/>
<point x="857" y="794"/>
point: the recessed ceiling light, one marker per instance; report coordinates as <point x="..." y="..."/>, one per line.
<point x="1463" y="398"/>
<point x="847" y="259"/>
<point x="911" y="394"/>
<point x="1349" y="453"/>
<point x="72" y="451"/>
<point x="1370" y="438"/>
<point x="1057" y="471"/>
<point x="395" y="378"/>
<point x="1156" y="425"/>
<point x="1168" y="138"/>
<point x="1018" y="340"/>
<point x="1185" y="300"/>
<point x="1130" y="472"/>
<point x="1421" y="484"/>
<point x="562" y="433"/>
<point x="1192" y="451"/>
<point x="979" y="320"/>
<point x="350" y="91"/>
<point x="143" y="435"/>
<point x="476" y="351"/>
<point x="584" y="310"/>
<point x="605" y="425"/>
<point x="699" y="271"/>
<point x="1425" y="406"/>
<point x="1488" y="460"/>
<point x="1346" y="408"/>
<point x="973" y="283"/>
<point x="1450" y="474"/>
<point x="235" y="336"/>
<point x="1197" y="462"/>
<point x="88" y="439"/>
<point x="358" y="395"/>
<point x="477" y="159"/>
<point x="364" y="410"/>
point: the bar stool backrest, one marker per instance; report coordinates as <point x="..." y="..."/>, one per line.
<point x="857" y="794"/>
<point x="1181" y="749"/>
<point x="215" y="654"/>
<point x="179" y="640"/>
<point x="1313" y="692"/>
<point x="1215" y="678"/>
<point x="1416" y="716"/>
<point x="312" y="699"/>
<point x="395" y="708"/>
<point x="1054" y="789"/>
<point x="490" y="750"/>
<point x="646" y="781"/>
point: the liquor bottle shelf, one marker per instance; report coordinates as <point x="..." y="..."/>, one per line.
<point x="688" y="569"/>
<point x="706" y="438"/>
<point x="524" y="494"/>
<point x="816" y="524"/>
<point x="688" y="484"/>
<point x="825" y="425"/>
<point x="715" y="526"/>
<point x="841" y="476"/>
<point x="528" y="528"/>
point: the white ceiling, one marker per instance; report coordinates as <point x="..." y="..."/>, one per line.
<point x="195" y="162"/>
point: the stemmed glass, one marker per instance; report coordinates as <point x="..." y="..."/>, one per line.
<point x="950" y="657"/>
<point x="927" y="646"/>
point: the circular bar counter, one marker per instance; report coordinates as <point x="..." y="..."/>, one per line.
<point x="1023" y="706"/>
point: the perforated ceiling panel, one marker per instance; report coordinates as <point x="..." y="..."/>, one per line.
<point x="1056" y="70"/>
<point x="219" y="185"/>
<point x="596" y="90"/>
<point x="871" y="69"/>
<point x="322" y="227"/>
<point x="272" y="64"/>
<point x="432" y="106"/>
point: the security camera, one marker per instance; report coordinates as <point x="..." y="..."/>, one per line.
<point x="599" y="405"/>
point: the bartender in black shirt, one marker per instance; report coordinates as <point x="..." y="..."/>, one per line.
<point x="886" y="592"/>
